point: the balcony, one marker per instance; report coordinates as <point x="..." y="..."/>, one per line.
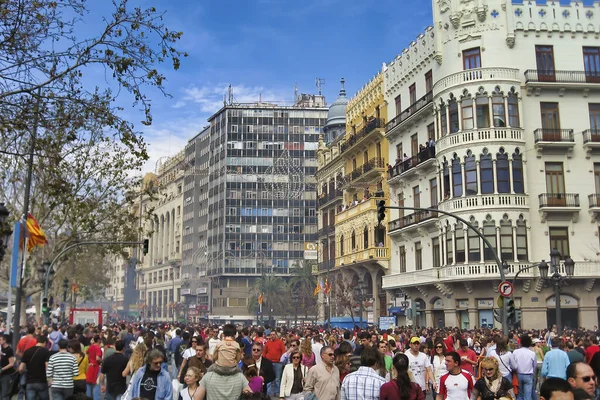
<point x="416" y="220"/>
<point x="594" y="200"/>
<point x="477" y="136"/>
<point x="536" y="79"/>
<point x="380" y="255"/>
<point x="326" y="265"/>
<point x="559" y="206"/>
<point x="326" y="230"/>
<point x="484" y="201"/>
<point x="422" y="163"/>
<point x="591" y="141"/>
<point x="364" y="206"/>
<point x="329" y="198"/>
<point x="475" y="76"/>
<point x="361" y="137"/>
<point x="418" y="108"/>
<point x="366" y="173"/>
<point x="554" y="141"/>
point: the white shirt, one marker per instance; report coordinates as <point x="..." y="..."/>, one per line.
<point x="439" y="369"/>
<point x="189" y="352"/>
<point x="457" y="387"/>
<point x="418" y="365"/>
<point x="212" y="345"/>
<point x="316" y="348"/>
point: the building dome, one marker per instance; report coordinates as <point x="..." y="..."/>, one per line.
<point x="336" y="117"/>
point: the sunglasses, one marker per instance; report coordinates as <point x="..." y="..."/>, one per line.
<point x="296" y="358"/>
<point x="439" y="347"/>
<point x="488" y="369"/>
<point x="157" y="363"/>
<point x="587" y="378"/>
<point x="330" y="354"/>
<point x="256" y="350"/>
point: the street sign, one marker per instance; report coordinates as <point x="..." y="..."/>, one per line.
<point x="505" y="289"/>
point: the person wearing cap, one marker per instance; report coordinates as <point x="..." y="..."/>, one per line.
<point x="419" y="365"/>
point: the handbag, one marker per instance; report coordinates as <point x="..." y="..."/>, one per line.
<point x="515" y="379"/>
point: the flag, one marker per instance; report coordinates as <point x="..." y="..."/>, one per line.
<point x="260" y="299"/>
<point x="327" y="286"/>
<point x="317" y="290"/>
<point x="36" y="235"/>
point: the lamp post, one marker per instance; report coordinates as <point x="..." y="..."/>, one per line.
<point x="65" y="287"/>
<point x="557" y="279"/>
<point x="295" y="303"/>
<point x="359" y="293"/>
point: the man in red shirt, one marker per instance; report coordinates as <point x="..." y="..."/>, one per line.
<point x="26" y="342"/>
<point x="449" y="342"/>
<point x="591" y="350"/>
<point x="274" y="349"/>
<point x="468" y="358"/>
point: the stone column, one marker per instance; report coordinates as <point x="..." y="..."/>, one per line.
<point x="510" y="174"/>
<point x="473" y="317"/>
<point x="450" y="316"/>
<point x="429" y="318"/>
<point x="514" y="239"/>
<point x="495" y="175"/>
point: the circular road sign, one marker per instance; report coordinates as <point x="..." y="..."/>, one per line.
<point x="505" y="289"/>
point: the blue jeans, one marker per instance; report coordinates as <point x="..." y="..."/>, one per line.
<point x="92" y="391"/>
<point x="36" y="391"/>
<point x="525" y="386"/>
<point x="6" y="381"/>
<point x="61" y="393"/>
<point x="273" y="387"/>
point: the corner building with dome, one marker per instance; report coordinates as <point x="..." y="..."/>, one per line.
<point x="509" y="94"/>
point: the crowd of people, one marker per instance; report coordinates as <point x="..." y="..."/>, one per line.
<point x="164" y="362"/>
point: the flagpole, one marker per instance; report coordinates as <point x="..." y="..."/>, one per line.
<point x="21" y="274"/>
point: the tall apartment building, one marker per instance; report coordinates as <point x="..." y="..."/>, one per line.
<point x="254" y="168"/>
<point x="510" y="94"/>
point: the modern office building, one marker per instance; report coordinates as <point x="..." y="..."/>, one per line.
<point x="250" y="204"/>
<point x="510" y="96"/>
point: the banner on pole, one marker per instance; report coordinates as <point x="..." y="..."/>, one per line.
<point x="14" y="266"/>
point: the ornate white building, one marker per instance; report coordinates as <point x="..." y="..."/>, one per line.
<point x="510" y="94"/>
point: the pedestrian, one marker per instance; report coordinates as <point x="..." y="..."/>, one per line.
<point x="223" y="383"/>
<point x="556" y="389"/>
<point x="438" y="365"/>
<point x="36" y="359"/>
<point x="555" y="362"/>
<point x="265" y="366"/>
<point x="366" y="383"/>
<point x="420" y="365"/>
<point x="192" y="380"/>
<point x="62" y="368"/>
<point x="255" y="381"/>
<point x="7" y="367"/>
<point x="456" y="384"/>
<point x="401" y="388"/>
<point x="137" y="359"/>
<point x="324" y="379"/>
<point x="273" y="351"/>
<point x="293" y="378"/>
<point x="581" y="376"/>
<point x="112" y="368"/>
<point x="525" y="366"/>
<point x="79" y="385"/>
<point x="492" y="385"/>
<point x="151" y="382"/>
<point x="94" y="353"/>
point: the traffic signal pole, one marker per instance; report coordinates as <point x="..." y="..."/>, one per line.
<point x="501" y="265"/>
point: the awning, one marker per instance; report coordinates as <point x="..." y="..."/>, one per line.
<point x="396" y="310"/>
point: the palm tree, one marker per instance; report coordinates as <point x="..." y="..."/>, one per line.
<point x="304" y="282"/>
<point x="276" y="295"/>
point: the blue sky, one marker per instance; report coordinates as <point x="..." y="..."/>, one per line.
<point x="263" y="47"/>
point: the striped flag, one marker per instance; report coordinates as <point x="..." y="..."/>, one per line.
<point x="36" y="235"/>
<point x="260" y="298"/>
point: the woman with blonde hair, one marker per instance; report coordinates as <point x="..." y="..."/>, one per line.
<point x="192" y="378"/>
<point x="492" y="385"/>
<point x="137" y="359"/>
<point x="308" y="357"/>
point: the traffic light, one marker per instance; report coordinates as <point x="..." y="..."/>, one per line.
<point x="146" y="246"/>
<point x="45" y="308"/>
<point x="381" y="211"/>
<point x="510" y="310"/>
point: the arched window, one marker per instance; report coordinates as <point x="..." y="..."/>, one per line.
<point x="513" y="109"/>
<point x="457" y="181"/>
<point x="366" y="238"/>
<point x="444" y="120"/>
<point x="460" y="242"/>
<point x="446" y="179"/>
<point x="489" y="232"/>
<point x="342" y="245"/>
<point x="353" y="241"/>
<point x="506" y="240"/>
<point x="453" y="110"/>
<point x="467" y="112"/>
<point x="482" y="109"/>
<point x="474" y="242"/>
<point x="522" y="240"/>
<point x="449" y="245"/>
<point x="498" y="109"/>
<point x="470" y="174"/>
<point x="487" y="172"/>
<point x="517" y="172"/>
<point x="503" y="178"/>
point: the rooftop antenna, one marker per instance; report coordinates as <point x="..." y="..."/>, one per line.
<point x="319" y="82"/>
<point x="231" y="99"/>
<point x="295" y="92"/>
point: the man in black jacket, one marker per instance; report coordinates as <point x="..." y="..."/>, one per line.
<point x="265" y="367"/>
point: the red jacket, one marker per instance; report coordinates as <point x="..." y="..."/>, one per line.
<point x="274" y="349"/>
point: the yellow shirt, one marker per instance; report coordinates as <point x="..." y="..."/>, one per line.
<point x="82" y="367"/>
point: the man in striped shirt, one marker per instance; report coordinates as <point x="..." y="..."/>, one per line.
<point x="62" y="367"/>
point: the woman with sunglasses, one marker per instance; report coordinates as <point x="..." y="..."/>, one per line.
<point x="293" y="377"/>
<point x="438" y="364"/>
<point x="492" y="385"/>
<point x="401" y="388"/>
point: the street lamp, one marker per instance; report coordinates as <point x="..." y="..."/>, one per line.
<point x="5" y="230"/>
<point x="65" y="287"/>
<point x="557" y="279"/>
<point x="295" y="303"/>
<point x="359" y="292"/>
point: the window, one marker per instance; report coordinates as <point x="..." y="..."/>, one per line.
<point x="296" y="212"/>
<point x="460" y="242"/>
<point x="416" y="197"/>
<point x="597" y="179"/>
<point x="444" y="120"/>
<point x="433" y="192"/>
<point x="559" y="239"/>
<point x="398" y="101"/>
<point x="550" y="122"/>
<point x="506" y="241"/>
<point x="402" y="253"/>
<point x="234" y="128"/>
<point x="594" y="110"/>
<point x="457" y="190"/>
<point x="412" y="91"/>
<point x="544" y="56"/>
<point x="555" y="184"/>
<point x="436" y="252"/>
<point x="474" y="243"/>
<point x="453" y="106"/>
<point x="467" y="113"/>
<point x="280" y="129"/>
<point x="428" y="82"/>
<point x="483" y="111"/>
<point x="237" y="302"/>
<point x="517" y="170"/>
<point x="470" y="175"/>
<point x="414" y="145"/>
<point x="486" y="167"/>
<point x="498" y="110"/>
<point x="489" y="232"/>
<point x="280" y="229"/>
<point x="449" y="246"/>
<point x="353" y="241"/>
<point x="366" y="238"/>
<point x="431" y="131"/>
<point x="472" y="58"/>
<point x="399" y="151"/>
<point x="446" y="179"/>
<point x="522" y="241"/>
<point x="503" y="178"/>
<point x="418" y="256"/>
<point x="513" y="110"/>
<point x="342" y="245"/>
<point x="249" y="128"/>
<point x="591" y="63"/>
